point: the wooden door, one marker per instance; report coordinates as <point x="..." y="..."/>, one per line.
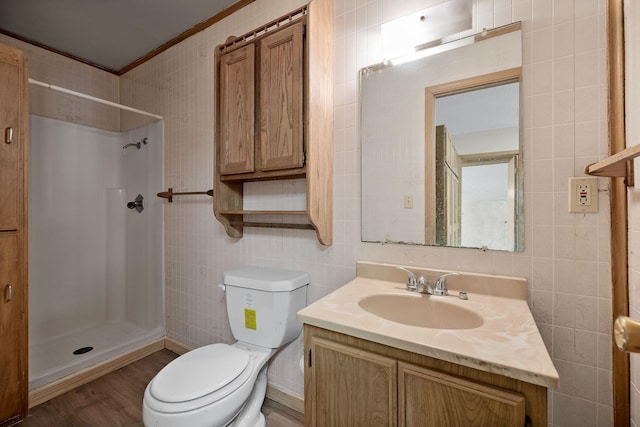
<point x="237" y="111"/>
<point x="351" y="387"/>
<point x="431" y="398"/>
<point x="13" y="236"/>
<point x="448" y="190"/>
<point x="281" y="138"/>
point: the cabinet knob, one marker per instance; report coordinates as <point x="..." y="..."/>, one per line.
<point x="8" y="293"/>
<point x="8" y="135"/>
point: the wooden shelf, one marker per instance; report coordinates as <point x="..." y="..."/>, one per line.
<point x="252" y="212"/>
<point x="617" y="165"/>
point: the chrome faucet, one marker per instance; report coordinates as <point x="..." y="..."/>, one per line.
<point x="421" y="284"/>
<point x="441" y="284"/>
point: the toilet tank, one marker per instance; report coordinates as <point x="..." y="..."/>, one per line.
<point x="262" y="304"/>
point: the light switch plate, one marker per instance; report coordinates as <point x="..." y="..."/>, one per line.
<point x="583" y="195"/>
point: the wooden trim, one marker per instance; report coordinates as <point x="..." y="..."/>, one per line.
<point x="176" y="346"/>
<point x="91" y="373"/>
<point x="285" y="398"/>
<point x="56" y="51"/>
<point x="618" y="211"/>
<point x="185" y="35"/>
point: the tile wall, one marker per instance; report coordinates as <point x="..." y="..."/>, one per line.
<point x="566" y="256"/>
<point x="58" y="70"/>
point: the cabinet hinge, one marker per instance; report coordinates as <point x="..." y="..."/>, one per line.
<point x="304" y="31"/>
<point x="310" y="359"/>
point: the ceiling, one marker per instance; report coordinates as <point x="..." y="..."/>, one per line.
<point x="111" y="34"/>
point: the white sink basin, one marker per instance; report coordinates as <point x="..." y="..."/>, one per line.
<point x="421" y="310"/>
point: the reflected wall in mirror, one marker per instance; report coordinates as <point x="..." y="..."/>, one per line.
<point x="472" y="130"/>
<point x="476" y="198"/>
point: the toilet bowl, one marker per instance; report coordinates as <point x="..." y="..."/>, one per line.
<point x="224" y="385"/>
<point x="208" y="386"/>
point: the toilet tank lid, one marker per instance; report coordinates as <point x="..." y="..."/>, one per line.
<point x="265" y="279"/>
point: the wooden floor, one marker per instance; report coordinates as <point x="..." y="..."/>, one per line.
<point x="116" y="400"/>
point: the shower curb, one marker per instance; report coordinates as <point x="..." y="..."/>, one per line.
<point x="70" y="382"/>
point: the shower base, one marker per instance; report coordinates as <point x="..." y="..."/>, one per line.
<point x="53" y="359"/>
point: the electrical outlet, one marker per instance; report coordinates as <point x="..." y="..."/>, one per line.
<point x="408" y="202"/>
<point x="583" y="195"/>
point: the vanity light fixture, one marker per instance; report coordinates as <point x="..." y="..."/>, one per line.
<point x="401" y="36"/>
<point x="431" y="49"/>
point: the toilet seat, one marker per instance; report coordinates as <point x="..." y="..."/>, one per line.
<point x="199" y="378"/>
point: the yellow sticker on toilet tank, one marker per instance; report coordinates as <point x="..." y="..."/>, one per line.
<point x="250" y="319"/>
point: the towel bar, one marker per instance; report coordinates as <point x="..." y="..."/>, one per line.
<point x="169" y="194"/>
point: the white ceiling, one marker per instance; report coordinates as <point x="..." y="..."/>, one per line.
<point x="108" y="33"/>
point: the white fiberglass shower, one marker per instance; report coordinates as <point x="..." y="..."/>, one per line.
<point x="96" y="275"/>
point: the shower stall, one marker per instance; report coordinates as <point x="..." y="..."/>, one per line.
<point x="96" y="275"/>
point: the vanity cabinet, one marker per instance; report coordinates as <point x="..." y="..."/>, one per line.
<point x="13" y="236"/>
<point x="274" y="119"/>
<point x="354" y="382"/>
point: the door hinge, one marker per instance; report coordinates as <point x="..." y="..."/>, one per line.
<point x="310" y="359"/>
<point x="304" y="31"/>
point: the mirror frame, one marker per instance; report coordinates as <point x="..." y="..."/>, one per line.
<point x="497" y="78"/>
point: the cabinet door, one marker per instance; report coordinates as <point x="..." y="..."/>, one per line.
<point x="427" y="397"/>
<point x="237" y="111"/>
<point x="12" y="332"/>
<point x="9" y="145"/>
<point x="281" y="138"/>
<point x="351" y="387"/>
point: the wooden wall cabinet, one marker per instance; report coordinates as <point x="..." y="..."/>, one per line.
<point x="274" y="118"/>
<point x="354" y="382"/>
<point x="14" y="378"/>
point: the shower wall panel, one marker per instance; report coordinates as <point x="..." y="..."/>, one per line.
<point x="92" y="260"/>
<point x="71" y="169"/>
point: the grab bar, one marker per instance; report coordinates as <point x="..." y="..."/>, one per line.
<point x="169" y="194"/>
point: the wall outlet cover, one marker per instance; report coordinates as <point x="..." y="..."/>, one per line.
<point x="583" y="195"/>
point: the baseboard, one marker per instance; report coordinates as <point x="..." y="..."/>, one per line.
<point x="285" y="398"/>
<point x="176" y="346"/>
<point x="68" y="383"/>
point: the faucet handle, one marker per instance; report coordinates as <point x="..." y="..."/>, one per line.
<point x="441" y="284"/>
<point x="412" y="284"/>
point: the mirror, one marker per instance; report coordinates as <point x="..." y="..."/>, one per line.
<point x="440" y="138"/>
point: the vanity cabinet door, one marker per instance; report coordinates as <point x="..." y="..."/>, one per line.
<point x="281" y="99"/>
<point x="427" y="397"/>
<point x="237" y="111"/>
<point x="351" y="387"/>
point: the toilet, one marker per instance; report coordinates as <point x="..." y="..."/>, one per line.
<point x="225" y="385"/>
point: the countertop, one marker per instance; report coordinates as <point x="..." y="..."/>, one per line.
<point x="507" y="343"/>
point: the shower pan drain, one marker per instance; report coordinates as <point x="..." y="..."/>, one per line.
<point x="83" y="350"/>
